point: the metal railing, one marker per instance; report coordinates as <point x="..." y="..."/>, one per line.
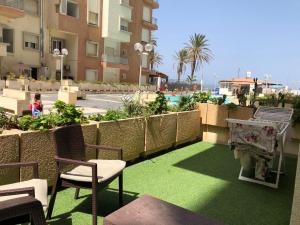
<point x="115" y="59"/>
<point x="19" y="4"/>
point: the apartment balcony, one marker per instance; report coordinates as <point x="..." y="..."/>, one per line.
<point x="12" y="8"/>
<point x="125" y="3"/>
<point x="114" y="62"/>
<point x="152" y="25"/>
<point x="154" y="3"/>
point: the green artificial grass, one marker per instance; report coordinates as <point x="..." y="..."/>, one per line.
<point x="201" y="177"/>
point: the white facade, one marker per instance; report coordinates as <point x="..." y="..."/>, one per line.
<point x="115" y="19"/>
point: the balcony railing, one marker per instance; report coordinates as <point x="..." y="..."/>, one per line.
<point x="18" y="4"/>
<point x="115" y="59"/>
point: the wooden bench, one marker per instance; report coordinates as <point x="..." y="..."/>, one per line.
<point x="148" y="210"/>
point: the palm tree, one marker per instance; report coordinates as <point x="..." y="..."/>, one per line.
<point x="155" y="59"/>
<point x="181" y="58"/>
<point x="198" y="52"/>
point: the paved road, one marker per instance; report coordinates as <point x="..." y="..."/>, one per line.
<point x="94" y="103"/>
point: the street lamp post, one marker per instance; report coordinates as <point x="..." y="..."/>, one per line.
<point x="57" y="53"/>
<point x="142" y="50"/>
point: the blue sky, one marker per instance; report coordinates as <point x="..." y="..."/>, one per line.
<point x="261" y="36"/>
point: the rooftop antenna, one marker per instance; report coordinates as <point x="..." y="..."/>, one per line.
<point x="238" y="74"/>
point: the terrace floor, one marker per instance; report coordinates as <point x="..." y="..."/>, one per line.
<point x="201" y="177"/>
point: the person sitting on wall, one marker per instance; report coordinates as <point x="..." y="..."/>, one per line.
<point x="36" y="106"/>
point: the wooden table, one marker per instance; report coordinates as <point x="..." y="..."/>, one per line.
<point x="148" y="210"/>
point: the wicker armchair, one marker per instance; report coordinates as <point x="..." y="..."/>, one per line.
<point x="23" y="201"/>
<point x="93" y="174"/>
<point x="40" y="185"/>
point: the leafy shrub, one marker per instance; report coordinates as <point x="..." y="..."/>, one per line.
<point x="268" y="100"/>
<point x="64" y="115"/>
<point x="7" y="122"/>
<point x="111" y="115"/>
<point x="25" y="122"/>
<point x="219" y="100"/>
<point x="159" y="106"/>
<point x="241" y="96"/>
<point x="115" y="115"/>
<point x="134" y="108"/>
<point x="231" y="106"/>
<point x="201" y="97"/>
<point x="96" y="117"/>
<point x="67" y="114"/>
<point x="186" y="103"/>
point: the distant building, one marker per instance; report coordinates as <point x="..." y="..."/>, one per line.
<point x="99" y="35"/>
<point x="230" y="87"/>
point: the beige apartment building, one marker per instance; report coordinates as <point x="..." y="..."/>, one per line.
<point x="99" y="36"/>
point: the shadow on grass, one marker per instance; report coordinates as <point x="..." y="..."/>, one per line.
<point x="215" y="161"/>
<point x="240" y="202"/>
<point x="107" y="203"/>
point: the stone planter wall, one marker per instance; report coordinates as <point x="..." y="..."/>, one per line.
<point x="215" y="127"/>
<point x="128" y="134"/>
<point x="160" y="133"/>
<point x="188" y="127"/>
<point x="241" y="113"/>
<point x="214" y="115"/>
<point x="9" y="153"/>
<point x="39" y="146"/>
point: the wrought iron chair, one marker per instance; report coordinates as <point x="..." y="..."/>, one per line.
<point x="94" y="174"/>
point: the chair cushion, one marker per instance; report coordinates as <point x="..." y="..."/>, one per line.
<point x="40" y="190"/>
<point x="105" y="170"/>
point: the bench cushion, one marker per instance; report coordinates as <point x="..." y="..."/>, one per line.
<point x="105" y="170"/>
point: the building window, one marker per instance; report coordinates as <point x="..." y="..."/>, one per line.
<point x="91" y="75"/>
<point x="92" y="48"/>
<point x="93" y="12"/>
<point x="31" y="41"/>
<point x="57" y="43"/>
<point x="147" y="14"/>
<point x="8" y="37"/>
<point x="124" y="53"/>
<point x="124" y="25"/>
<point x="32" y="7"/>
<point x="145" y="35"/>
<point x="70" y="8"/>
<point x="109" y="51"/>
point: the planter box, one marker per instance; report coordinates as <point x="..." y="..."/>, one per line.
<point x="128" y="134"/>
<point x="39" y="146"/>
<point x="9" y="145"/>
<point x="160" y="133"/>
<point x="66" y="83"/>
<point x="216" y="135"/>
<point x="188" y="127"/>
<point x="214" y="115"/>
<point x="241" y="113"/>
<point x="67" y="97"/>
<point x="13" y="84"/>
